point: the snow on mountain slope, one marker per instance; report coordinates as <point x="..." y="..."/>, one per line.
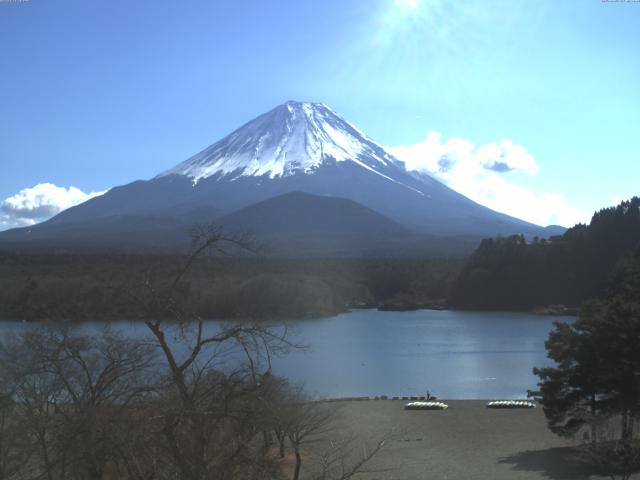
<point x="295" y="147"/>
<point x="293" y="138"/>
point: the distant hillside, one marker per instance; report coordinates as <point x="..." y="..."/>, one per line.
<point x="116" y="233"/>
<point x="303" y="214"/>
<point x="292" y="225"/>
<point x="511" y="273"/>
<point x="299" y="224"/>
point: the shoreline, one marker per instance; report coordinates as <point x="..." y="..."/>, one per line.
<point x="414" y="398"/>
<point x="310" y="316"/>
<point x="465" y="441"/>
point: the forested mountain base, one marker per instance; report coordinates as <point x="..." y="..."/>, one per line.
<point x="505" y="273"/>
<point x="514" y="274"/>
<point x="103" y="287"/>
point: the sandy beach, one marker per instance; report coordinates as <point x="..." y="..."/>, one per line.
<point x="466" y="441"/>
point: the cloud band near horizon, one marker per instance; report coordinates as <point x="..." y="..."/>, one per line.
<point x="38" y="203"/>
<point x="487" y="174"/>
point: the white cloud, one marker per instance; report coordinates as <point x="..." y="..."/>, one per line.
<point x="39" y="203"/>
<point x="479" y="173"/>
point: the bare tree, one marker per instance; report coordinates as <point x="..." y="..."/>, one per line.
<point x="278" y="399"/>
<point x="307" y="422"/>
<point x="346" y="457"/>
<point x="312" y="427"/>
<point x="76" y="406"/>
<point x="11" y="437"/>
<point x="36" y="395"/>
<point x="73" y="395"/>
<point x="208" y="421"/>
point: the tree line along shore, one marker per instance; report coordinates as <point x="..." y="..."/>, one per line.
<point x="548" y="276"/>
<point x="98" y="287"/>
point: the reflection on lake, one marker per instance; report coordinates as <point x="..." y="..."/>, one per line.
<point x="454" y="355"/>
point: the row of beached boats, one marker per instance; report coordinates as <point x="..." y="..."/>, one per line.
<point x="492" y="404"/>
<point x="426" y="406"/>
<point x="511" y="404"/>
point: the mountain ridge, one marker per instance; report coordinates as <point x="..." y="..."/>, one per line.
<point x="296" y="147"/>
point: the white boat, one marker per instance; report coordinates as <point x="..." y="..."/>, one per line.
<point x="426" y="406"/>
<point x="511" y="404"/>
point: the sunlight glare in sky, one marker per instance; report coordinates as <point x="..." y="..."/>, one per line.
<point x="406" y="6"/>
<point x="480" y="71"/>
<point x="416" y="18"/>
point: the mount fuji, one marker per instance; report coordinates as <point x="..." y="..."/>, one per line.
<point x="302" y="152"/>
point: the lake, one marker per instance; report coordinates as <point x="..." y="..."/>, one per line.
<point x="451" y="354"/>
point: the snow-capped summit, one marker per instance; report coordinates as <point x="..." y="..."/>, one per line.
<point x="293" y="169"/>
<point x="295" y="137"/>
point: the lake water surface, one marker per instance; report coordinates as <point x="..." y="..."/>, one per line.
<point x="451" y="354"/>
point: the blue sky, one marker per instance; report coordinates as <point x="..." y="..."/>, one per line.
<point x="101" y="93"/>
